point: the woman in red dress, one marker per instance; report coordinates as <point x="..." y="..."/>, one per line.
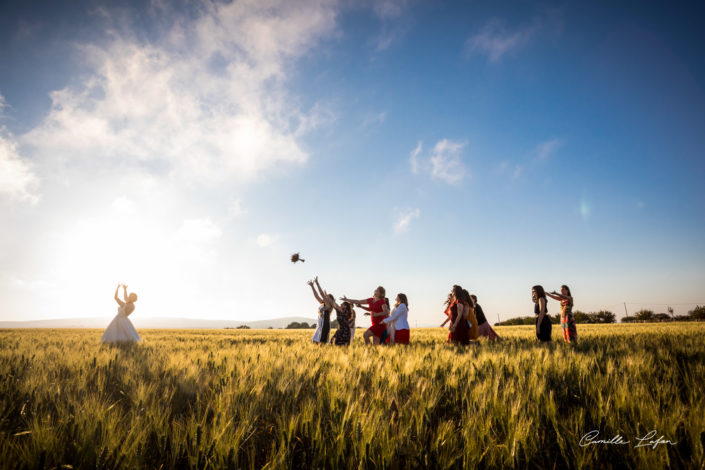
<point x="458" y="326"/>
<point x="379" y="310"/>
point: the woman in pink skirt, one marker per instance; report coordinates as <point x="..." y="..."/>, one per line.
<point x="482" y="323"/>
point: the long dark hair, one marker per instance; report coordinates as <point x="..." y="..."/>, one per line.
<point x="567" y="288"/>
<point x="457" y="291"/>
<point x="347" y="308"/>
<point x="468" y="298"/>
<point x="540" y="293"/>
<point x="403" y="299"/>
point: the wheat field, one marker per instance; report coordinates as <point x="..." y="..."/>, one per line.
<point x="271" y="399"/>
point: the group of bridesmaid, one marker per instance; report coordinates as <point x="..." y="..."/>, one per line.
<point x="464" y="316"/>
<point x="543" y="321"/>
<point x="467" y="321"/>
<point x="388" y="327"/>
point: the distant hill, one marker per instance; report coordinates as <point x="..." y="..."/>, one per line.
<point x="154" y="322"/>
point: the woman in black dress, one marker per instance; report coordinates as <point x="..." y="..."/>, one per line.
<point x="543" y="321"/>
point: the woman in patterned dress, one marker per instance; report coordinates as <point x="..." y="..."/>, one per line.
<point x="570" y="332"/>
<point x="346" y="321"/>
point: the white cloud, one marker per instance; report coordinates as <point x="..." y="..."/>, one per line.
<point x="544" y="150"/>
<point x="124" y="205"/>
<point x="264" y="240"/>
<point x="388" y="9"/>
<point x="3" y="106"/>
<point x="236" y="209"/>
<point x="394" y="22"/>
<point x="414" y="158"/>
<point x="495" y="41"/>
<point x="404" y="219"/>
<point x="206" y="102"/>
<point x="198" y="231"/>
<point x="445" y="160"/>
<point x="17" y="180"/>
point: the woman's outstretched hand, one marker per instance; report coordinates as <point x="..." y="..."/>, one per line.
<point x="310" y="283"/>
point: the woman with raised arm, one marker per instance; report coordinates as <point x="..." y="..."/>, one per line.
<point x="543" y="320"/>
<point x="570" y="332"/>
<point x="458" y="320"/>
<point x="446" y="312"/>
<point x="121" y="330"/>
<point x="377" y="306"/>
<point x="483" y="325"/>
<point x="398" y="323"/>
<point x="346" y="321"/>
<point x="323" y="326"/>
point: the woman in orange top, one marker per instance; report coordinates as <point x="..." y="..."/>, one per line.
<point x="473" y="329"/>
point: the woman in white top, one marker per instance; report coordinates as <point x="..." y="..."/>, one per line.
<point x="397" y="322"/>
<point x="121" y="329"/>
<point x="320" y="336"/>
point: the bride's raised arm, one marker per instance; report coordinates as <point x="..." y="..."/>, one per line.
<point x="117" y="299"/>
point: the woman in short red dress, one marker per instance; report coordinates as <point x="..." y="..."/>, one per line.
<point x="458" y="326"/>
<point x="379" y="310"/>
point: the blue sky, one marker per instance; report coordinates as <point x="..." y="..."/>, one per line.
<point x="189" y="149"/>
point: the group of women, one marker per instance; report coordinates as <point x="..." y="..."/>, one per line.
<point x="387" y="327"/>
<point x="464" y="316"/>
<point x="467" y="321"/>
<point x="543" y="321"/>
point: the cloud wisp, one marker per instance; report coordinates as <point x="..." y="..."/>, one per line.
<point x="404" y="218"/>
<point x="495" y="41"/>
<point x="443" y="163"/>
<point x="540" y="154"/>
<point x="545" y="150"/>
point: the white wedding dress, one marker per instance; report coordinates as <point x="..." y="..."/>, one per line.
<point x="120" y="329"/>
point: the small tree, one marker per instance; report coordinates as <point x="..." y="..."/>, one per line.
<point x="698" y="313"/>
<point x="605" y="316"/>
<point x="582" y="317"/>
<point x="243" y="327"/>
<point x="645" y="315"/>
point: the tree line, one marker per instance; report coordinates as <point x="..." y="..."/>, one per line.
<point x="605" y="316"/>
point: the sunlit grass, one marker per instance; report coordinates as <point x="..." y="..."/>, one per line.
<point x="247" y="399"/>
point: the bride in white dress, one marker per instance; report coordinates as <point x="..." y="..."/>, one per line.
<point x="121" y="329"/>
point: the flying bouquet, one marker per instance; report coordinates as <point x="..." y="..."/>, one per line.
<point x="295" y="257"/>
